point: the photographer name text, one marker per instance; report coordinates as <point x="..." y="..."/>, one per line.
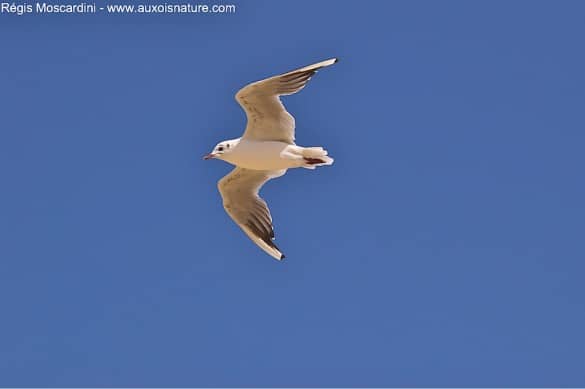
<point x="21" y="9"/>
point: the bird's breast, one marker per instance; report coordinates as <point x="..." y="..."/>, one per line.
<point x="258" y="155"/>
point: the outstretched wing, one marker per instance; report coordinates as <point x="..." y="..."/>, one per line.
<point x="239" y="191"/>
<point x="268" y="120"/>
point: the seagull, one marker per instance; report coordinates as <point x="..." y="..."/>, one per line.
<point x="265" y="151"/>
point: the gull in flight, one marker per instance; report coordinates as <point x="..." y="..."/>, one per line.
<point x="265" y="151"/>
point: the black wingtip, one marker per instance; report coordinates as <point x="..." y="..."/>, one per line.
<point x="336" y="60"/>
<point x="282" y="257"/>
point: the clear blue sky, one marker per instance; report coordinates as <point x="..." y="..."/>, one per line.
<point x="443" y="248"/>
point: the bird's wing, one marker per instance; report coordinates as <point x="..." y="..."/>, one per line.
<point x="268" y="120"/>
<point x="239" y="191"/>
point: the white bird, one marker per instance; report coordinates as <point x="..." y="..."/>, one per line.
<point x="265" y="151"/>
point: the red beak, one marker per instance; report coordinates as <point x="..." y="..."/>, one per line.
<point x="209" y="156"/>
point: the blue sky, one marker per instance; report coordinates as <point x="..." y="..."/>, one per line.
<point x="443" y="248"/>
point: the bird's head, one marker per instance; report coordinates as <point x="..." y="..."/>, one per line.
<point x="221" y="149"/>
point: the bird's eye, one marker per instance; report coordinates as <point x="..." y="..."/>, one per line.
<point x="220" y="149"/>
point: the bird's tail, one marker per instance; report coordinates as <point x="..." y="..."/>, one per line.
<point x="316" y="156"/>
